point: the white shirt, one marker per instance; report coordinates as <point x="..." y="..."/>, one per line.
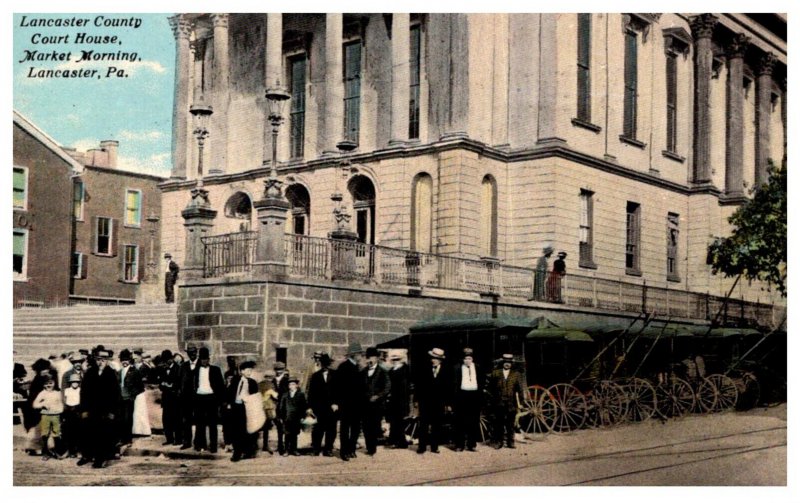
<point x="72" y="396"/>
<point x="469" y="381"/>
<point x="436" y="370"/>
<point x="203" y="384"/>
<point x="505" y="373"/>
<point x="192" y="364"/>
<point x="371" y="370"/>
<point x="242" y="391"/>
<point x="325" y="375"/>
<point x="122" y="375"/>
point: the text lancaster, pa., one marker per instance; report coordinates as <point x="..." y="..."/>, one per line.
<point x="74" y="21"/>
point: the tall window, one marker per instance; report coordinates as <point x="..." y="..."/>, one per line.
<point x="104" y="229"/>
<point x="585" y="258"/>
<point x="133" y="207"/>
<point x="78" y="265"/>
<point x="352" y="89"/>
<point x="632" y="238"/>
<point x="20" y="253"/>
<point x="130" y="265"/>
<point x="297" y="69"/>
<point x="300" y="212"/>
<point x="584" y="67"/>
<point x="414" y="65"/>
<point x="421" y="213"/>
<point x="488" y="216"/>
<point x="77" y="200"/>
<point x="672" y="101"/>
<point x="631" y="83"/>
<point x="20" y="187"/>
<point x="672" y="246"/>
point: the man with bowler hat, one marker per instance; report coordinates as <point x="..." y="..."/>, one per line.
<point x="320" y="402"/>
<point x="376" y="389"/>
<point x="291" y="410"/>
<point x="467" y="402"/>
<point x="170" y="398"/>
<point x="433" y="393"/>
<point x="100" y="397"/>
<point x="186" y="396"/>
<point x="347" y="398"/>
<point x="242" y="385"/>
<point x="209" y="389"/>
<point x="131" y="384"/>
<point x="505" y="388"/>
<point x="397" y="408"/>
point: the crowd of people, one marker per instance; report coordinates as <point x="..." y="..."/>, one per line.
<point x="90" y="406"/>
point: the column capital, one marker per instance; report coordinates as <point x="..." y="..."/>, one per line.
<point x="703" y="25"/>
<point x="220" y="20"/>
<point x="766" y="64"/>
<point x="181" y="26"/>
<point x="737" y="46"/>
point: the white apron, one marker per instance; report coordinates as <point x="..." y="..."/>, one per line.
<point x="141" y="418"/>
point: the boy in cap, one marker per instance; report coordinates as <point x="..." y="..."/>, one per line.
<point x="434" y="390"/>
<point x="242" y="385"/>
<point x="376" y="389"/>
<point x="77" y="360"/>
<point x="506" y="390"/>
<point x="70" y="418"/>
<point x="49" y="401"/>
<point x="280" y="383"/>
<point x="291" y="409"/>
<point x="347" y="394"/>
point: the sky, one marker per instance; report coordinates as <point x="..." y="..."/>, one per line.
<point x="135" y="110"/>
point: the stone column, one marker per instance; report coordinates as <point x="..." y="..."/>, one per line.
<point x="763" y="112"/>
<point x="270" y="254"/>
<point x="334" y="86"/>
<point x="702" y="29"/>
<point x="198" y="218"/>
<point x="181" y="28"/>
<point x="458" y="110"/>
<point x="547" y="127"/>
<point x="221" y="94"/>
<point x="734" y="148"/>
<point x="400" y="77"/>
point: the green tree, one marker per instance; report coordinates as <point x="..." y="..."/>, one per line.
<point x="756" y="249"/>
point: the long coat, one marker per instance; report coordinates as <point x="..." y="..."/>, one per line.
<point x="376" y="386"/>
<point x="100" y="393"/>
<point x="433" y="394"/>
<point x="320" y="393"/>
<point x="133" y="384"/>
<point x="503" y="391"/>
<point x="349" y="387"/>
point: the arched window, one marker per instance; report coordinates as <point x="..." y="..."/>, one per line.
<point x="488" y="216"/>
<point x="421" y="212"/>
<point x="299" y="221"/>
<point x="363" y="193"/>
<point x="240" y="207"/>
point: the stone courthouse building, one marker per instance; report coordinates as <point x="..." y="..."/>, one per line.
<point x="624" y="140"/>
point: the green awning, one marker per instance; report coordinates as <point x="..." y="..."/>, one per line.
<point x="725" y="332"/>
<point x="453" y="323"/>
<point x="554" y="334"/>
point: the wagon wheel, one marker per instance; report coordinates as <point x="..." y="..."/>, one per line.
<point x="608" y="404"/>
<point x="726" y="392"/>
<point x="571" y="407"/>
<point x="674" y="398"/>
<point x="538" y="413"/>
<point x="705" y="397"/>
<point x="485" y="429"/>
<point x="749" y="391"/>
<point x="641" y="397"/>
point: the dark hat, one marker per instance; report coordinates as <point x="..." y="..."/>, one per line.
<point x="77" y="358"/>
<point x="40" y="364"/>
<point x="102" y="353"/>
<point x="74" y="377"/>
<point x="247" y="365"/>
<point x="436" y="353"/>
<point x="19" y="371"/>
<point x="137" y="351"/>
<point x="468" y="352"/>
<point x="125" y="355"/>
<point x="508" y="357"/>
<point x="84" y="352"/>
<point x="317" y="354"/>
<point x="562" y="254"/>
<point x="166" y="354"/>
<point x="372" y="351"/>
<point x="279" y="366"/>
<point x="294" y="379"/>
<point x="167" y="255"/>
<point x="353" y="348"/>
<point x="204" y="354"/>
<point x="324" y="359"/>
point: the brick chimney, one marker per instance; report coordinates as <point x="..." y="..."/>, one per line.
<point x="110" y="147"/>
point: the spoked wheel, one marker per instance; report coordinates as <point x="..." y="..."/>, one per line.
<point x="749" y="391"/>
<point x="571" y="407"/>
<point x="608" y="404"/>
<point x="674" y="398"/>
<point x="705" y="397"/>
<point x="539" y="412"/>
<point x="726" y="392"/>
<point x="641" y="397"/>
<point x="485" y="430"/>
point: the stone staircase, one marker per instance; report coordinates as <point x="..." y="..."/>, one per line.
<point x="40" y="332"/>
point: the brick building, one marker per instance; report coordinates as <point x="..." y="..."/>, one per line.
<point x="42" y="184"/>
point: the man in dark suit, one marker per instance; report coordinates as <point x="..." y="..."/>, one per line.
<point x="433" y="394"/>
<point x="398" y="408"/>
<point x="131" y="384"/>
<point x="467" y="393"/>
<point x="320" y="402"/>
<point x="280" y="383"/>
<point x="505" y="388"/>
<point x="242" y="385"/>
<point x="170" y="278"/>
<point x="347" y="398"/>
<point x="376" y="389"/>
<point x="186" y="396"/>
<point x="100" y="397"/>
<point x="209" y="389"/>
<point x="169" y="383"/>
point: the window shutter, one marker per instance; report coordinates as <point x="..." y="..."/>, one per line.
<point x="94" y="234"/>
<point x="84" y="265"/>
<point x="113" y="230"/>
<point x="140" y="264"/>
<point x="121" y="262"/>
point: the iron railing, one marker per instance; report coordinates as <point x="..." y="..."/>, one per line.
<point x="326" y="259"/>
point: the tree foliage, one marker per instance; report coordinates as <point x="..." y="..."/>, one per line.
<point x="756" y="249"/>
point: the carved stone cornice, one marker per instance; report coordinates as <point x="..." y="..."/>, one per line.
<point x="181" y="26"/>
<point x="676" y="40"/>
<point x="220" y="20"/>
<point x="766" y="64"/>
<point x="737" y="46"/>
<point x="703" y="25"/>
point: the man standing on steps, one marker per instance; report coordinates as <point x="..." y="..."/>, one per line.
<point x="170" y="278"/>
<point x="186" y="396"/>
